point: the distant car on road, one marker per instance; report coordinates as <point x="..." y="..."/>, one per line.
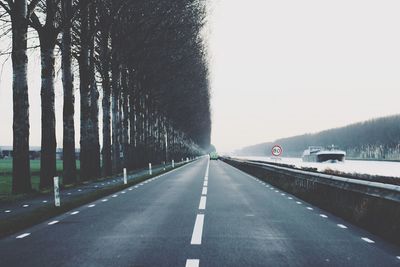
<point x="214" y="156"/>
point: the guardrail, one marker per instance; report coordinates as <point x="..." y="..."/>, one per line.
<point x="372" y="205"/>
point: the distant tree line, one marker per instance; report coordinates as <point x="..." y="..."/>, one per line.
<point x="373" y="139"/>
<point x="145" y="59"/>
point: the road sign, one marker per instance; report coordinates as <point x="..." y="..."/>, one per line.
<point x="276" y="150"/>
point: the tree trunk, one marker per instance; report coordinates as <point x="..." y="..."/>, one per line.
<point x="48" y="151"/>
<point x="94" y="99"/>
<point x="69" y="160"/>
<point x="21" y="182"/>
<point x="84" y="93"/>
<point x="115" y="113"/>
<point x="105" y="58"/>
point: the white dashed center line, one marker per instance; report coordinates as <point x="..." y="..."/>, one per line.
<point x="368" y="240"/>
<point x="25" y="206"/>
<point x="74" y="213"/>
<point x="298" y="202"/>
<point x="91" y="206"/>
<point x="290" y="198"/>
<point x="114" y="195"/>
<point x="205" y="183"/>
<point x="309" y="208"/>
<point x="53" y="222"/>
<point x="323" y="216"/>
<point x="44" y="201"/>
<point x="192" y="263"/>
<point x="342" y="226"/>
<point x="197" y="230"/>
<point x="7" y="211"/>
<point x="23" y="235"/>
<point x="204" y="192"/>
<point x="105" y="200"/>
<point x="202" y="205"/>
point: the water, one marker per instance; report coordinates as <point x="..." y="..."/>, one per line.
<point x="382" y="168"/>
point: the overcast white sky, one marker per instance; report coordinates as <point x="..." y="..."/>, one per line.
<point x="281" y="68"/>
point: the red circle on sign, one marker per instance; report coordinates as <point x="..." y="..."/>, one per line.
<point x="276" y="150"/>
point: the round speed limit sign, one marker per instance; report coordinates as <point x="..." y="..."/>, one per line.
<point x="276" y="150"/>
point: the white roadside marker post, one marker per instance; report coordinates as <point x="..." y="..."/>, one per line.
<point x="57" y="192"/>
<point x="125" y="177"/>
<point x="173" y="164"/>
<point x="187" y="160"/>
<point x="150" y="171"/>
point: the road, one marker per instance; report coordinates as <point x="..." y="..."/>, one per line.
<point x="197" y="216"/>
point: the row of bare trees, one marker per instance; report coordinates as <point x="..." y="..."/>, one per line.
<point x="145" y="61"/>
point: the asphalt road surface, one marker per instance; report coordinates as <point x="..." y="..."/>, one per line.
<point x="206" y="213"/>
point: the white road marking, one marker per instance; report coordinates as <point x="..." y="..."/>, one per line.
<point x="290" y="198"/>
<point x="105" y="200"/>
<point x="298" y="202"/>
<point x="342" y="226"/>
<point x="271" y="188"/>
<point x="25" y="206"/>
<point x="368" y="240"/>
<point x="197" y="230"/>
<point x="204" y="192"/>
<point x="123" y="192"/>
<point x="91" y="206"/>
<point x="283" y="194"/>
<point x="205" y="183"/>
<point x="79" y="190"/>
<point x="7" y="211"/>
<point x="23" y="235"/>
<point x="74" y="213"/>
<point x="44" y="201"/>
<point x="69" y="193"/>
<point x="192" y="263"/>
<point x="136" y="186"/>
<point x="130" y="189"/>
<point x="309" y="208"/>
<point x="202" y="205"/>
<point x="276" y="191"/>
<point x="398" y="257"/>
<point x="53" y="222"/>
<point x="114" y="195"/>
<point x="323" y="216"/>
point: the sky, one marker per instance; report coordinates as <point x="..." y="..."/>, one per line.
<point x="278" y="69"/>
<point x="283" y="68"/>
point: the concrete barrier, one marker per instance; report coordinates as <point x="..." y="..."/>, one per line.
<point x="371" y="205"/>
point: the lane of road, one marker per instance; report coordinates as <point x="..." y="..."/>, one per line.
<point x="203" y="214"/>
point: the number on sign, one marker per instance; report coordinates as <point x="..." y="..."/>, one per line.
<point x="276" y="150"/>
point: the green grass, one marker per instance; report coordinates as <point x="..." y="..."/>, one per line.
<point x="6" y="174"/>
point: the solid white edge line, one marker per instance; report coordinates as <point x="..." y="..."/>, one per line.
<point x="368" y="240"/>
<point x="23" y="235"/>
<point x="202" y="204"/>
<point x="197" y="230"/>
<point x="192" y="263"/>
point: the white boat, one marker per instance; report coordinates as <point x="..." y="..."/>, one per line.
<point x="319" y="154"/>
